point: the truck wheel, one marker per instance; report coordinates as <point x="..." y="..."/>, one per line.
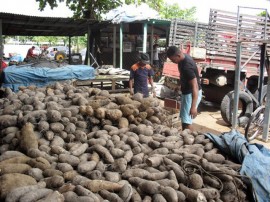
<point x="227" y="108"/>
<point x="60" y="56"/>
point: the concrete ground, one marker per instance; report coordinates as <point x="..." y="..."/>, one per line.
<point x="209" y="120"/>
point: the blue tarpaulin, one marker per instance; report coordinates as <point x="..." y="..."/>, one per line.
<point x="16" y="76"/>
<point x="255" y="160"/>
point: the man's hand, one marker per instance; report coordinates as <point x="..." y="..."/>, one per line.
<point x="131" y="91"/>
<point x="154" y="94"/>
<point x="193" y="112"/>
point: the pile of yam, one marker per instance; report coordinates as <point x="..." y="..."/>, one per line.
<point x="66" y="143"/>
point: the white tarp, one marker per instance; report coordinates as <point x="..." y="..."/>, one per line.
<point x="131" y="13"/>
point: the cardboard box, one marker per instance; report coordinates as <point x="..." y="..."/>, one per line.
<point x="171" y="103"/>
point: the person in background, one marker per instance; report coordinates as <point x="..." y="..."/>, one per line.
<point x="30" y="53"/>
<point x="155" y="56"/>
<point x="140" y="73"/>
<point x="189" y="84"/>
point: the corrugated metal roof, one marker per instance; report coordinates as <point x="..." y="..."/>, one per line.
<point x="24" y="25"/>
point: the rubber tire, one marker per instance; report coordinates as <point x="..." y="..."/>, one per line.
<point x="58" y="54"/>
<point x="226" y="108"/>
<point x="264" y="92"/>
<point x="253" y="116"/>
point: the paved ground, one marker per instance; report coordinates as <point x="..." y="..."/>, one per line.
<point x="209" y="120"/>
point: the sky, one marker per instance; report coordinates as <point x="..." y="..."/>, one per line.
<point x="30" y="7"/>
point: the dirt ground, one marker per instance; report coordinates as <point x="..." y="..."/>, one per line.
<point x="209" y="120"/>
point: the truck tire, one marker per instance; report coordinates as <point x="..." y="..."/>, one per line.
<point x="226" y="108"/>
<point x="60" y="56"/>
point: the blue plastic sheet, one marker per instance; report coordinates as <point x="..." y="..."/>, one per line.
<point x="255" y="159"/>
<point x="15" y="76"/>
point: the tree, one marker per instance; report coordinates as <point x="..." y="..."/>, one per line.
<point x="94" y="8"/>
<point x="171" y="11"/>
<point x="83" y="8"/>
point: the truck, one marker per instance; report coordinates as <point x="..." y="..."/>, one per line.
<point x="213" y="46"/>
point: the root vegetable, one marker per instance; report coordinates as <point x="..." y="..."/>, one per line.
<point x="169" y="194"/>
<point x="36" y="173"/>
<point x="112" y="176"/>
<point x="80" y="150"/>
<point x="98" y="185"/>
<point x="54" y="181"/>
<point x="87" y="166"/>
<point x="28" y="138"/>
<point x="64" y="167"/>
<point x="51" y="172"/>
<point x="191" y="194"/>
<point x="159" y="198"/>
<point x="54" y="116"/>
<point x="35" y="195"/>
<point x="103" y="152"/>
<point x="210" y="193"/>
<point x="70" y="159"/>
<point x="150" y="187"/>
<point x="14" y="168"/>
<point x="7" y="121"/>
<point x="9" y="182"/>
<point x="40" y="163"/>
<point x="214" y="158"/>
<point x="16" y="193"/>
<point x="110" y="196"/>
<point x="126" y="192"/>
<point x="53" y="197"/>
<point x="195" y="181"/>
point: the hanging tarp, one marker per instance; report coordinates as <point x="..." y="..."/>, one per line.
<point x="130" y="13"/>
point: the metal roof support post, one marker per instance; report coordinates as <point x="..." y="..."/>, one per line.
<point x="266" y="114"/>
<point x="1" y="44"/>
<point x="69" y="49"/>
<point x="144" y="37"/>
<point x="151" y="43"/>
<point x="236" y="85"/>
<point x="88" y="45"/>
<point x="261" y="71"/>
<point x="114" y="46"/>
<point x="121" y="46"/>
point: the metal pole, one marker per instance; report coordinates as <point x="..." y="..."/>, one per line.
<point x="69" y="49"/>
<point x="144" y="37"/>
<point x="1" y="44"/>
<point x="88" y="45"/>
<point x="236" y="86"/>
<point x="261" y="72"/>
<point x="151" y="42"/>
<point x="195" y="35"/>
<point x="237" y="28"/>
<point x="114" y="46"/>
<point x="266" y="114"/>
<point x="121" y="46"/>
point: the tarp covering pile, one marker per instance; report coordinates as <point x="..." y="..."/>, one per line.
<point x="255" y="159"/>
<point x="16" y="76"/>
<point x="131" y="13"/>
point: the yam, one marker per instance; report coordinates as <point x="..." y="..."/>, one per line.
<point x="35" y="195"/>
<point x="14" y="168"/>
<point x="55" y="181"/>
<point x="169" y="194"/>
<point x="195" y="181"/>
<point x="191" y="194"/>
<point x="150" y="187"/>
<point x="7" y="121"/>
<point x="28" y="138"/>
<point x="70" y="159"/>
<point x="11" y="181"/>
<point x="84" y="167"/>
<point x="98" y="185"/>
<point x="53" y="116"/>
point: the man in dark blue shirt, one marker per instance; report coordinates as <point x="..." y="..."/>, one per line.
<point x="190" y="85"/>
<point x="140" y="74"/>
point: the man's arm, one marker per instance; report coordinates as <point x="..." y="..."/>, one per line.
<point x="131" y="86"/>
<point x="152" y="86"/>
<point x="195" y="92"/>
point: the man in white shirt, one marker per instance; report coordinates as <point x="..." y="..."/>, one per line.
<point x="155" y="56"/>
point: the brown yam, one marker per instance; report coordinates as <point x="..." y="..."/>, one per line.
<point x="53" y="116"/>
<point x="14" y="168"/>
<point x="214" y="158"/>
<point x="11" y="181"/>
<point x="195" y="181"/>
<point x="55" y="181"/>
<point x="169" y="194"/>
<point x="150" y="187"/>
<point x="103" y="152"/>
<point x="210" y="193"/>
<point x="57" y="127"/>
<point x="70" y="159"/>
<point x="35" y="195"/>
<point x="191" y="194"/>
<point x="98" y="185"/>
<point x="110" y="196"/>
<point x="87" y="166"/>
<point x="114" y="114"/>
<point x="159" y="198"/>
<point x="7" y="121"/>
<point x="28" y="138"/>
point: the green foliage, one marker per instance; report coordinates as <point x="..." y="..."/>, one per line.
<point x="171" y="11"/>
<point x="83" y="8"/>
<point x="94" y="8"/>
